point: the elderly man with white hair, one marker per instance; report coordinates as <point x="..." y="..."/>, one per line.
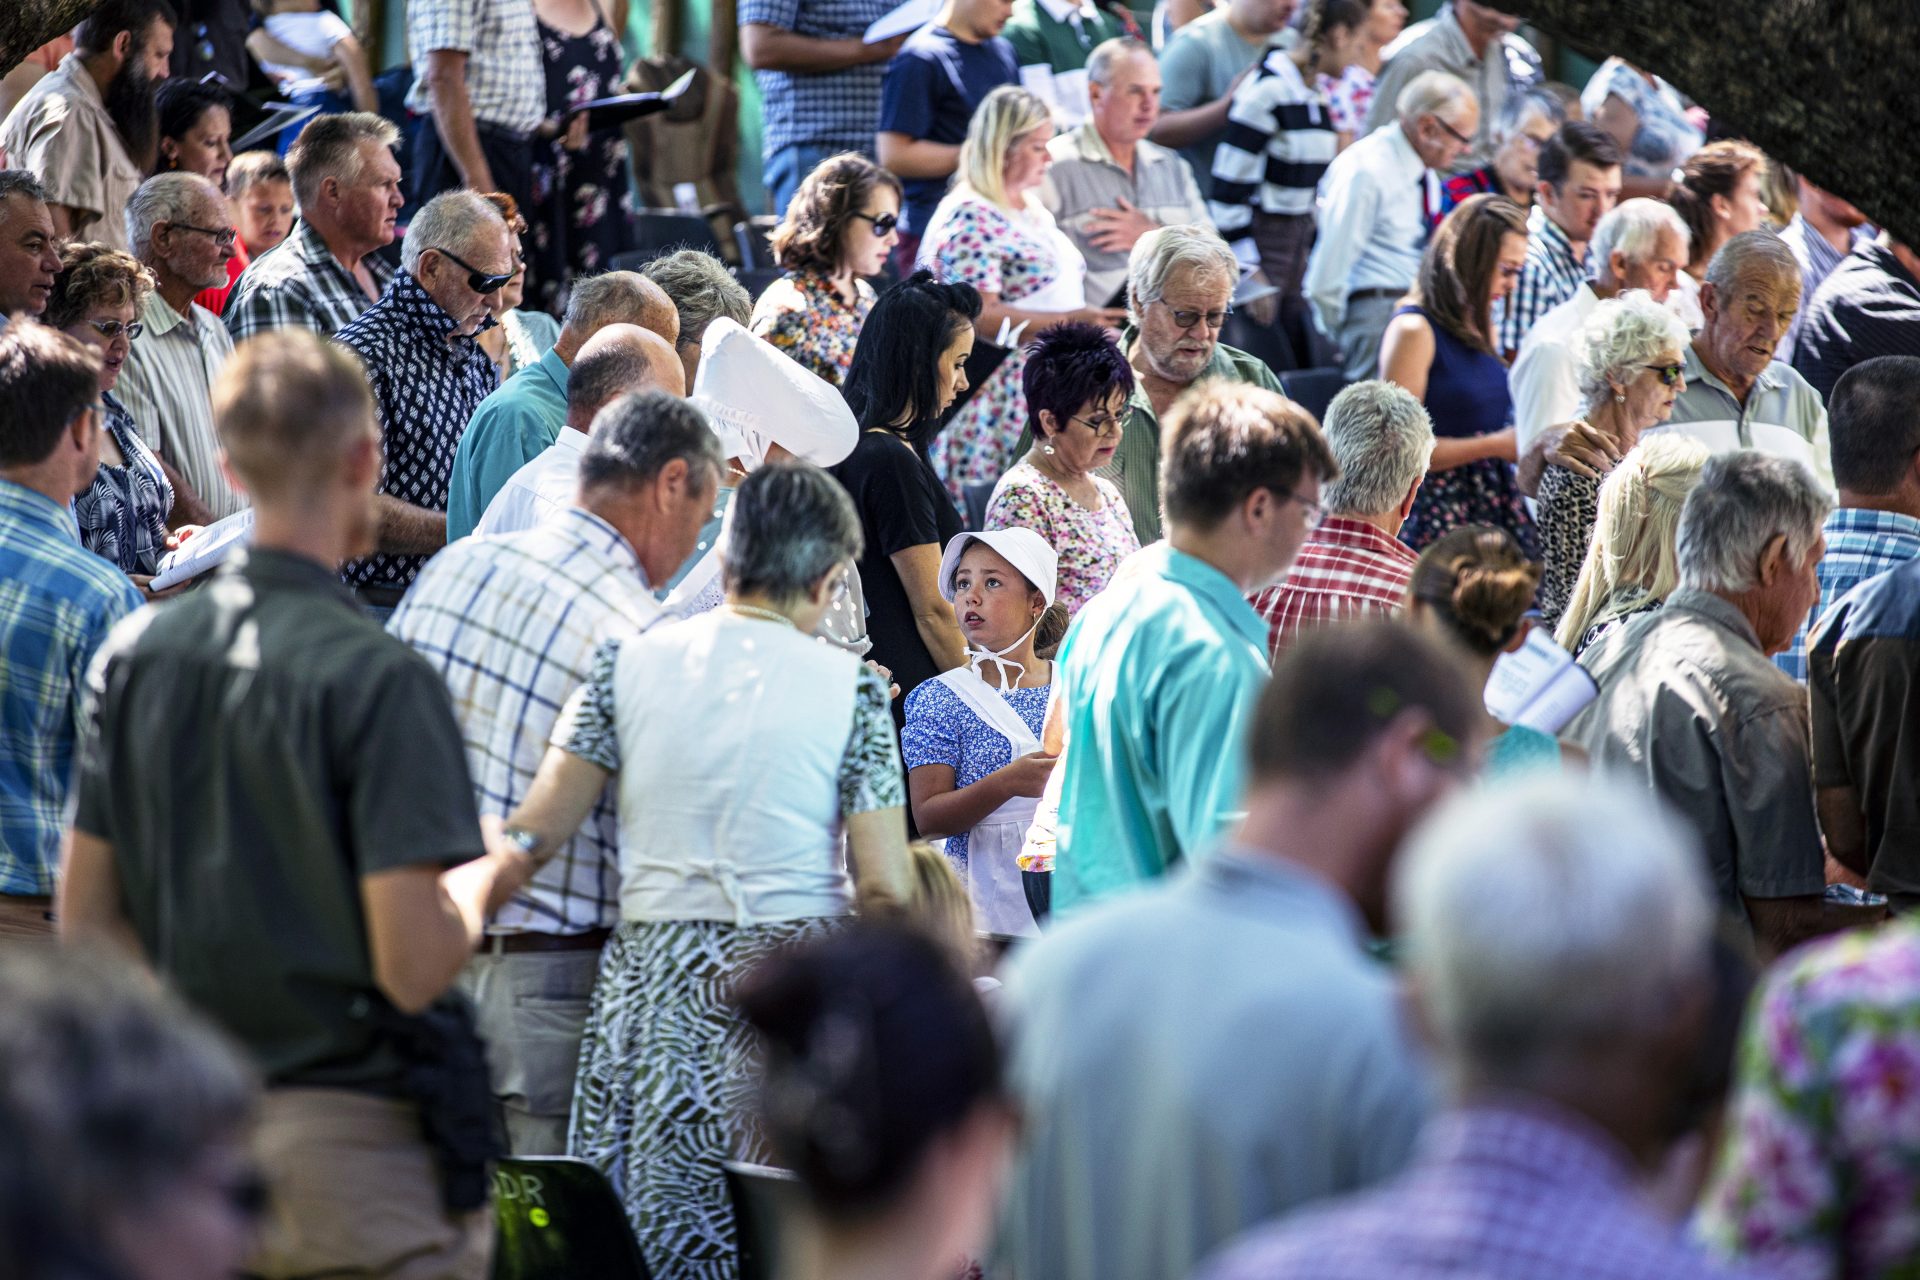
<point x="1353" y="565"/>
<point x="1558" y="939"/>
<point x="1378" y="197"/>
<point x="1641" y="244"/>
<point x="181" y="229"/>
<point x="1690" y="706"/>
<point x="428" y="377"/>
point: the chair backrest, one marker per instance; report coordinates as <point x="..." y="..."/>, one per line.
<point x="754" y="238"/>
<point x="762" y="1196"/>
<point x="658" y="232"/>
<point x="558" y="1219"/>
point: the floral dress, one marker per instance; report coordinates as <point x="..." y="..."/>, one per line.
<point x="941" y="729"/>
<point x="803" y="316"/>
<point x="1025" y="259"/>
<point x="1090" y="544"/>
<point x="1349" y="99"/>
<point x="581" y="202"/>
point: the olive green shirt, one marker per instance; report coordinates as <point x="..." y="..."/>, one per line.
<point x="253" y="751"/>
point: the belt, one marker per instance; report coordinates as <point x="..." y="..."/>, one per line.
<point x="381" y="595"/>
<point x="509" y="944"/>
<point x="501" y="131"/>
<point x="1375" y="293"/>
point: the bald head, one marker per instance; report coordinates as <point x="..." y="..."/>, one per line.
<point x="619" y="359"/>
<point x="616" y="297"/>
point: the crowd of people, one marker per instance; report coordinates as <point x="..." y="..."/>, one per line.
<point x="947" y="723"/>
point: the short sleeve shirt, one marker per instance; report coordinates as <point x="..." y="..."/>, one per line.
<point x="931" y="89"/>
<point x="300" y="284"/>
<point x="1198" y="66"/>
<point x="61" y="132"/>
<point x="506" y="79"/>
<point x="825" y="109"/>
<point x="304" y="750"/>
<point x="941" y="729"/>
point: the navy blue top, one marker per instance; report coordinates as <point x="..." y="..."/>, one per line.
<point x="932" y="87"/>
<point x="1466" y="388"/>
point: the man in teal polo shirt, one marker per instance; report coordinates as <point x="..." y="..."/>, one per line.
<point x="1159" y="675"/>
<point x="518" y="422"/>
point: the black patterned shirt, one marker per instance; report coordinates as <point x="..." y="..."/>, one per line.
<point x="426" y="387"/>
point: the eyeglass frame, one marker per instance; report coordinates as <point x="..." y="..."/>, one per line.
<point x="226" y="239"/>
<point x="1100" y="433"/>
<point x="875" y="219"/>
<point x="1198" y="316"/>
<point x="132" y="328"/>
<point x="476" y="278"/>
<point x="1316" y="512"/>
<point x="1671" y="375"/>
<point x="1458" y="136"/>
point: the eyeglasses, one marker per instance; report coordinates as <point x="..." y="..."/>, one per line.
<point x="1188" y="319"/>
<point x="1670" y="374"/>
<point x="883" y="223"/>
<point x="1315" y="513"/>
<point x="477" y="280"/>
<point x="1458" y="136"/>
<point x="111" y="329"/>
<point x="222" y="236"/>
<point x="1102" y="427"/>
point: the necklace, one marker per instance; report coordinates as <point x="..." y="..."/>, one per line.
<point x="755" y="611"/>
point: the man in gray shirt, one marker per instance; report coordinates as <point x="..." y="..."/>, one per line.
<point x="1468" y="39"/>
<point x="1201" y="64"/>
<point x="1690" y="705"/>
<point x="1196" y="1057"/>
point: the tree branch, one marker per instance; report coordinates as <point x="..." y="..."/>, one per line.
<point x="25" y="25"/>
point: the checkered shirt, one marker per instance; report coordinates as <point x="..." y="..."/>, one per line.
<point x="299" y="284"/>
<point x="834" y="108"/>
<point x="1860" y="544"/>
<point x="1517" y="1189"/>
<point x="57" y="602"/>
<point x="426" y="388"/>
<point x="1551" y="275"/>
<point x="1347" y="569"/>
<point x="511" y="623"/>
<point x="506" y="78"/>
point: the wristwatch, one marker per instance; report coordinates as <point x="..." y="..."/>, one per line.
<point x="522" y="839"/>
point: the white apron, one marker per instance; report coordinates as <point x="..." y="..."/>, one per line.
<point x="993" y="846"/>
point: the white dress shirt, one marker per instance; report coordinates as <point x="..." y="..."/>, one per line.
<point x="1545" y="380"/>
<point x="1373" y="223"/>
<point x="540" y="489"/>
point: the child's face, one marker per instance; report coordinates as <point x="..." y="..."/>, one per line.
<point x="264" y="215"/>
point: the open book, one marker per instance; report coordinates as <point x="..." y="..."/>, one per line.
<point x="1539" y="685"/>
<point x="205" y="550"/>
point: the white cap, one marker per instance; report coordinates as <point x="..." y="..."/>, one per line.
<point x="754" y="397"/>
<point x="1024" y="549"/>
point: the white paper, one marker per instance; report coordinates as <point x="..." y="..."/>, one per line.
<point x="1538" y="685"/>
<point x="205" y="550"/>
<point x="911" y="16"/>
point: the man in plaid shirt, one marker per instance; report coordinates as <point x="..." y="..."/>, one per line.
<point x="512" y="623"/>
<point x="1579" y="184"/>
<point x="1353" y="566"/>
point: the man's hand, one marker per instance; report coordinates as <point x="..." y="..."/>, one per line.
<point x="1578" y="446"/>
<point x="1118" y="230"/>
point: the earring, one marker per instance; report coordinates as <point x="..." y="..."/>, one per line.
<point x="1619" y="397"/>
<point x="1047" y="449"/>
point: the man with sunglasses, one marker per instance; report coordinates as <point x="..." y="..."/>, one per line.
<point x="182" y="231"/>
<point x="428" y="377"/>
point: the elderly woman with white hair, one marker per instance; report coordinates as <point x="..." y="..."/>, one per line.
<point x="1632" y="369"/>
<point x="992" y="232"/>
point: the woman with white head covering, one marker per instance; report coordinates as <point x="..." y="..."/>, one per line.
<point x="975" y="769"/>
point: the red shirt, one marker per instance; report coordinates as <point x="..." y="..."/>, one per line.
<point x="1347" y="569"/>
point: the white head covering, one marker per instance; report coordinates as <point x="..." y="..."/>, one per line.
<point x="1026" y="551"/>
<point x="754" y="397"/>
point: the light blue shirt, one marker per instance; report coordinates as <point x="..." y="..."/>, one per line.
<point x="512" y="427"/>
<point x="1160" y="674"/>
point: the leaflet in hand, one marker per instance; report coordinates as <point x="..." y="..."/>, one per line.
<point x="205" y="550"/>
<point x="907" y="18"/>
<point x="1539" y="685"/>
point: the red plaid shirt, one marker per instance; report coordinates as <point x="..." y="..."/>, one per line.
<point x="1347" y="569"/>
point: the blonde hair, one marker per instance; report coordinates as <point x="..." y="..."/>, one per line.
<point x="1004" y="116"/>
<point x="940" y="906"/>
<point x="1634" y="531"/>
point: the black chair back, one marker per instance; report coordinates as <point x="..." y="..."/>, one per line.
<point x="557" y="1218"/>
<point x="762" y="1197"/>
<point x="658" y="232"/>
<point x="1313" y="389"/>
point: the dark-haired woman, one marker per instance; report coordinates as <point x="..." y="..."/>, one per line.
<point x="196" y="132"/>
<point x="839" y="229"/>
<point x="1078" y="383"/>
<point x="908" y="367"/>
<point x="1439" y="346"/>
<point x="881" y="1088"/>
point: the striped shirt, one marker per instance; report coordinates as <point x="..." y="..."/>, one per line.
<point x="1278" y="142"/>
<point x="1869" y="306"/>
<point x="1817" y="260"/>
<point x="511" y="624"/>
<point x="1347" y="569"/>
<point x="1552" y="273"/>
<point x="57" y="603"/>
<point x="1860" y="545"/>
<point x="167" y="386"/>
<point x="300" y="284"/>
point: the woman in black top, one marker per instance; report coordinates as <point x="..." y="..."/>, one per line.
<point x="906" y="370"/>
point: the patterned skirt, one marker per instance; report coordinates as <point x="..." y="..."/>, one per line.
<point x="665" y="1090"/>
<point x="1482" y="492"/>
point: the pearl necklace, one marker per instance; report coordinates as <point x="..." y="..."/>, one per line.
<point x="765" y="615"/>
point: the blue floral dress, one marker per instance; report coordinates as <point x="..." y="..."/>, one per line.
<point x="943" y="730"/>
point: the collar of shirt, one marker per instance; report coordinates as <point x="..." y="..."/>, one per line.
<point x="1548" y="1145"/>
<point x="160" y="318"/>
<point x="1851" y="528"/>
<point x="414" y="308"/>
<point x="1346" y="531"/>
<point x="1881" y="256"/>
<point x="1548" y="235"/>
<point x="1715" y="609"/>
<point x="22" y="503"/>
<point x="1256" y="880"/>
<point x="571" y="439"/>
<point x="1211" y="585"/>
<point x="1699" y="375"/>
<point x="84" y="88"/>
<point x="551" y="367"/>
<point x="589" y="530"/>
<point x="1064" y="10"/>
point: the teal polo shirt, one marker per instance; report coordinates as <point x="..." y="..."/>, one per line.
<point x="511" y="428"/>
<point x="1159" y="674"/>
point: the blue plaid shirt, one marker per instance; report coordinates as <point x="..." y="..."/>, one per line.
<point x="1860" y="544"/>
<point x="1552" y="274"/>
<point x="829" y="109"/>
<point x="57" y="603"/>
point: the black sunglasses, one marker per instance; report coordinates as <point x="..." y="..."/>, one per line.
<point x="883" y="223"/>
<point x="1670" y="374"/>
<point x="477" y="280"/>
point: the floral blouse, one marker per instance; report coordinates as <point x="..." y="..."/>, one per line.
<point x="1819" y="1173"/>
<point x="1091" y="544"/>
<point x="1014" y="255"/>
<point x="123" y="513"/>
<point x="1349" y="99"/>
<point x="803" y="316"/>
<point x="941" y="729"/>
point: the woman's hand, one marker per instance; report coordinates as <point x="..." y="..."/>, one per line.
<point x="886" y="674"/>
<point x="575" y="138"/>
<point x="180" y="535"/>
<point x="1027" y="776"/>
<point x="144" y="581"/>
